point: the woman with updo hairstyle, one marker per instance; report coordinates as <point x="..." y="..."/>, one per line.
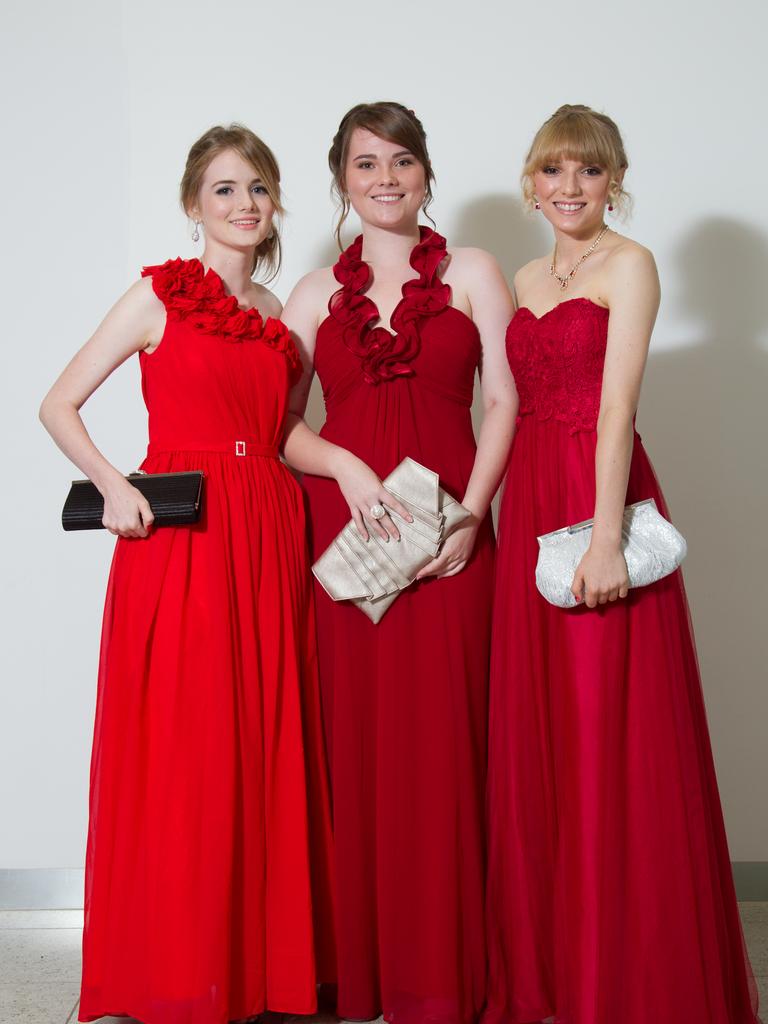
<point x="396" y="331"/>
<point x="610" y="897"/>
<point x="208" y="895"/>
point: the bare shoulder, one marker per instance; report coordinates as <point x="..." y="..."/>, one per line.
<point x="472" y="261"/>
<point x="313" y="291"/>
<point x="266" y="301"/>
<point x="628" y="256"/>
<point x="141" y="297"/>
<point x="529" y="272"/>
<point x="630" y="280"/>
<point x="477" y="273"/>
<point x="137" y="310"/>
<point x="316" y="283"/>
<point x="136" y="321"/>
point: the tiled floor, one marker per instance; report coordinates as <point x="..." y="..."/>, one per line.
<point x="40" y="963"/>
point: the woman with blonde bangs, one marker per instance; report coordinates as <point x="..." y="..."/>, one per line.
<point x="610" y="896"/>
<point x="396" y="331"/>
<point x="208" y="895"/>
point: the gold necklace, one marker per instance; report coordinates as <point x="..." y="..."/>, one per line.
<point x="564" y="281"/>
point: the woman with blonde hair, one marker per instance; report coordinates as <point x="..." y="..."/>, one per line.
<point x="610" y="896"/>
<point x="207" y="874"/>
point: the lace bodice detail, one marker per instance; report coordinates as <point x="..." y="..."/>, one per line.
<point x="557" y="361"/>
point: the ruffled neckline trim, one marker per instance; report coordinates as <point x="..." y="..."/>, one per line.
<point x="384" y="354"/>
<point x="197" y="296"/>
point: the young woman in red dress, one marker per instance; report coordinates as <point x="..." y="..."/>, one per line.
<point x="396" y="331"/>
<point x="609" y="893"/>
<point x="207" y="875"/>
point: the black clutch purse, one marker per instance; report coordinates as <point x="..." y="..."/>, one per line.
<point x="175" y="500"/>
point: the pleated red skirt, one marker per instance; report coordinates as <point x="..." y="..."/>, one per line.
<point x="610" y="895"/>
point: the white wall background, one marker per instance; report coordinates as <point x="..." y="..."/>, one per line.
<point x="103" y="99"/>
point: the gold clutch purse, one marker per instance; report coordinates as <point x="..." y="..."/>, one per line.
<point x="372" y="573"/>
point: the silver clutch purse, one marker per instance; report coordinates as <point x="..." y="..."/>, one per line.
<point x="652" y="548"/>
<point x="372" y="573"/>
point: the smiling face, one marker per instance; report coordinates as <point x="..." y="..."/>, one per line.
<point x="233" y="204"/>
<point x="573" y="195"/>
<point x="385" y="183"/>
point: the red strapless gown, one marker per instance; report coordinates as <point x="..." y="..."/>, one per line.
<point x="609" y="893"/>
<point x="405" y="702"/>
<point x="207" y="887"/>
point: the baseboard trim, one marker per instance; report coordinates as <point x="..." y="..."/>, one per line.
<point x="751" y="880"/>
<point x="41" y="888"/>
<point x="62" y="888"/>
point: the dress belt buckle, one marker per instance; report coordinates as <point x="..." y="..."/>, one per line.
<point x="240" y="448"/>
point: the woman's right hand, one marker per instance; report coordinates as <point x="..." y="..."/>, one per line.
<point x="362" y="489"/>
<point x="126" y="511"/>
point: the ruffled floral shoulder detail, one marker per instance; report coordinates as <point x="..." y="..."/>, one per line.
<point x="385" y="356"/>
<point x="198" y="297"/>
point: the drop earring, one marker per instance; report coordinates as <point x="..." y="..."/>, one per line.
<point x="537" y="205"/>
<point x="610" y="207"/>
<point x="196" y="232"/>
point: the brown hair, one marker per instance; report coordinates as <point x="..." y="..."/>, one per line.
<point x="391" y="121"/>
<point x="258" y="154"/>
<point x="577" y="132"/>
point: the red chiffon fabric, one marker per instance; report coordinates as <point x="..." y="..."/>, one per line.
<point x="609" y="893"/>
<point x="405" y="702"/>
<point x="209" y="851"/>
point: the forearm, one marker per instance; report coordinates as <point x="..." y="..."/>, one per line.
<point x="493" y="445"/>
<point x="62" y="421"/>
<point x="613" y="456"/>
<point x="307" y="452"/>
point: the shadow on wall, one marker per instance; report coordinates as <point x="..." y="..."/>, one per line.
<point x="704" y="416"/>
<point x="499" y="224"/>
<point x="328" y="253"/>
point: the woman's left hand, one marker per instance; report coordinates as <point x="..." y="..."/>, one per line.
<point x="601" y="576"/>
<point x="455" y="552"/>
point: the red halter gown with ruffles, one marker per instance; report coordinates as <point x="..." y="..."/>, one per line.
<point x="610" y="898"/>
<point x="207" y="879"/>
<point x="405" y="701"/>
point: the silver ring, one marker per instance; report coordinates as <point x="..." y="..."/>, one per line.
<point x="378" y="511"/>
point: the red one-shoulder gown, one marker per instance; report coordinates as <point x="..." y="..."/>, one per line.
<point x="405" y="701"/>
<point x="610" y="899"/>
<point x="207" y="877"/>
